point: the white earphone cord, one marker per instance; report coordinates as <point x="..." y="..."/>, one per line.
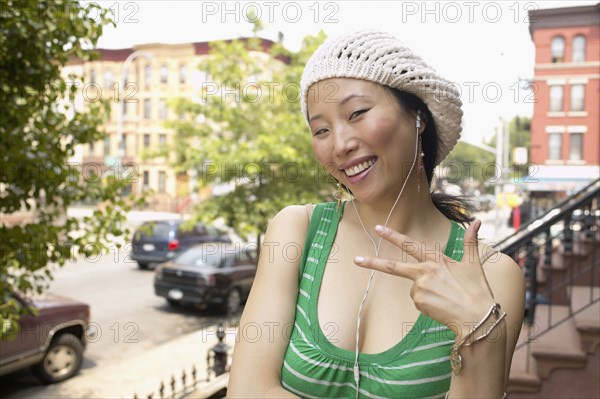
<point x="376" y="248"/>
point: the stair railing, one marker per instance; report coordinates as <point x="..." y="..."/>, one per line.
<point x="574" y="220"/>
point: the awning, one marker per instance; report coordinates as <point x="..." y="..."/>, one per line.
<point x="559" y="177"/>
<point x="554" y="184"/>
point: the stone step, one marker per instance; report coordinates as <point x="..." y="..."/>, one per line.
<point x="587" y="322"/>
<point x="566" y="270"/>
<point x="559" y="347"/>
<point x="553" y="276"/>
<point x="523" y="382"/>
<point x="567" y="346"/>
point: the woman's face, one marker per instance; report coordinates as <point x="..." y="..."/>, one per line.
<point x="362" y="136"/>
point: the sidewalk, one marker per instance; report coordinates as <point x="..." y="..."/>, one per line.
<point x="143" y="374"/>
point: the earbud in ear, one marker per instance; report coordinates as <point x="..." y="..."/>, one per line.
<point x="418" y="119"/>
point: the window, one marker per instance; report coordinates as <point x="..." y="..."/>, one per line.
<point x="182" y="74"/>
<point x="162" y="182"/>
<point x="162" y="139"/>
<point x="556" y="98"/>
<point x="124" y="106"/>
<point x="146" y="140"/>
<point x="576" y="147"/>
<point x="164" y="74"/>
<point x="198" y="77"/>
<point x="109" y="78"/>
<point x="106" y="146"/>
<point x="123" y="144"/>
<point x="558" y="49"/>
<point x="162" y="109"/>
<point x="91" y="148"/>
<point x="579" y="48"/>
<point x="92" y="76"/>
<point x="146" y="179"/>
<point x="147" y="109"/>
<point x="554" y="145"/>
<point x="148" y="76"/>
<point x="577" y="97"/>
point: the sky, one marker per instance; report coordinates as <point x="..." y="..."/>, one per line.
<point x="484" y="47"/>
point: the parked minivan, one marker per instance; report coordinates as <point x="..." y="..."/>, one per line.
<point x="159" y="241"/>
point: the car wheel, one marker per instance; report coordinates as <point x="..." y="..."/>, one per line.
<point x="233" y="302"/>
<point x="143" y="266"/>
<point x="61" y="361"/>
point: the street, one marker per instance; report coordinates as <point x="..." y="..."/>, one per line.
<point x="129" y="319"/>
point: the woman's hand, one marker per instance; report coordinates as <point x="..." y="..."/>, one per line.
<point x="453" y="293"/>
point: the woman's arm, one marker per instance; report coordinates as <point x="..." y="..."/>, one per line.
<point x="507" y="282"/>
<point x="258" y="357"/>
<point x="486" y="364"/>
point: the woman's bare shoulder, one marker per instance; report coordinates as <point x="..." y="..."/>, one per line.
<point x="291" y="221"/>
<point x="286" y="229"/>
<point x="293" y="213"/>
<point x="492" y="258"/>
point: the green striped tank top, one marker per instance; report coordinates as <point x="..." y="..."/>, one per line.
<point x="416" y="367"/>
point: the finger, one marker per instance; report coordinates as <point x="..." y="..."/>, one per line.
<point x="394" y="267"/>
<point x="404" y="242"/>
<point x="471" y="243"/>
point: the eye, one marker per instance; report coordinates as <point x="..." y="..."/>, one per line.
<point x="320" y="131"/>
<point x="358" y="113"/>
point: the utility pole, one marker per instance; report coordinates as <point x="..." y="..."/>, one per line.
<point x="499" y="166"/>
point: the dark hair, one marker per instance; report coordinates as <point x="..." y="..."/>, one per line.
<point x="456" y="208"/>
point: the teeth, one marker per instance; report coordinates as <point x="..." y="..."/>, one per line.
<point x="353" y="170"/>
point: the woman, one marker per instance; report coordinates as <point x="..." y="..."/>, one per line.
<point x="392" y="297"/>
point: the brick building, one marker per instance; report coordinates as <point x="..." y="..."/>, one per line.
<point x="565" y="128"/>
<point x="157" y="74"/>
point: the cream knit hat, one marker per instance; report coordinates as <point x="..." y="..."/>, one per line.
<point x="381" y="58"/>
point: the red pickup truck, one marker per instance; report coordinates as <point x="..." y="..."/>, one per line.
<point x="52" y="342"/>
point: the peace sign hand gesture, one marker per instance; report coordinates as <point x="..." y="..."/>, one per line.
<point x="453" y="293"/>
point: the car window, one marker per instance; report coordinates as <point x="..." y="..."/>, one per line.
<point x="243" y="258"/>
<point x="230" y="260"/>
<point x="156" y="230"/>
<point x="200" y="257"/>
<point x="200" y="229"/>
<point x="211" y="231"/>
<point x="239" y="259"/>
<point x="185" y="230"/>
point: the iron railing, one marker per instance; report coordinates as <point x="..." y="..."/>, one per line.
<point x="189" y="385"/>
<point x="569" y="230"/>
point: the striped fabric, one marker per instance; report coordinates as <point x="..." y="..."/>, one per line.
<point x="416" y="367"/>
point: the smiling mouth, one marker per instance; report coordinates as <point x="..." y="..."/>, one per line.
<point x="356" y="169"/>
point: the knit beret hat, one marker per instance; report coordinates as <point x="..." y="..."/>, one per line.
<point x="381" y="58"/>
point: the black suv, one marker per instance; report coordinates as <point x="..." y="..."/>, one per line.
<point x="51" y="342"/>
<point x="159" y="241"/>
<point x="218" y="274"/>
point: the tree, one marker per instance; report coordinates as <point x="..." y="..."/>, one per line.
<point x="246" y="131"/>
<point x="37" y="141"/>
<point x="519" y="135"/>
<point x="469" y="163"/>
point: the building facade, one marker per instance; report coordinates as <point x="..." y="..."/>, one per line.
<point x="157" y="74"/>
<point x="565" y="128"/>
